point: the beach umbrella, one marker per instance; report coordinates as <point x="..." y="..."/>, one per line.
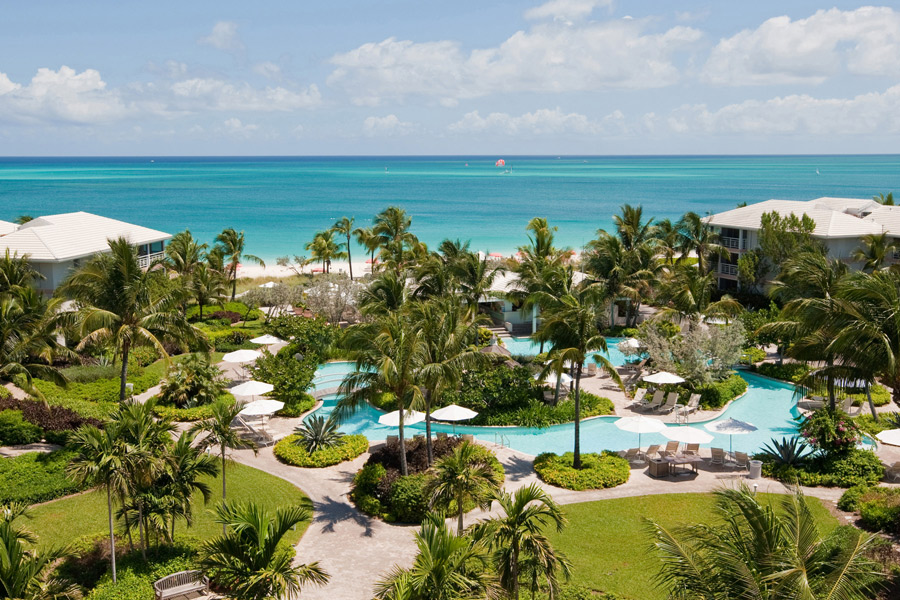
<point x="687" y="435"/>
<point x="731" y="427"/>
<point x="640" y="425"/>
<point x="410" y="417"/>
<point x="551" y="379"/>
<point x="241" y="356"/>
<point x="495" y="255"/>
<point x="890" y="436"/>
<point x="266" y="340"/>
<point x="252" y="388"/>
<point x="454" y="413"/>
<point x="261" y="408"/>
<point x="268" y="284"/>
<point x="629" y="344"/>
<point x="663" y="378"/>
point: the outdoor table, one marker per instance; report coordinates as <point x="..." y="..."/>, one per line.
<point x="684" y="460"/>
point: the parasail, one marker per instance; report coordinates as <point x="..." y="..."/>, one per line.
<point x="500" y="163"/>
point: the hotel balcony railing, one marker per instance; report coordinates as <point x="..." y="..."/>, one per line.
<point x="726" y="269"/>
<point x="145" y="261"/>
<point x="734" y="243"/>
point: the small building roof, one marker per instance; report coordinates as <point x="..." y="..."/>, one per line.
<point x="830" y="223"/>
<point x="66" y="236"/>
<point x="7" y="227"/>
<point x="854" y="206"/>
<point x="888" y="217"/>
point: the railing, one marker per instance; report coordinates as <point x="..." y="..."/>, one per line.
<point x="726" y="269"/>
<point x="734" y="243"/>
<point x="501" y="440"/>
<point x="145" y="261"/>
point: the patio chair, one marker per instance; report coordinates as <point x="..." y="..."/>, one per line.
<point x="847" y="404"/>
<point x="742" y="460"/>
<point x="693" y="404"/>
<point x="592" y="369"/>
<point x="468" y="437"/>
<point x="693" y="449"/>
<point x="672" y="447"/>
<point x="892" y="472"/>
<point x="638" y="397"/>
<point x="392" y="439"/>
<point x="671" y="403"/>
<point x="718" y="456"/>
<point x="257" y="434"/>
<point x="655" y="402"/>
<point x="441" y="435"/>
<point x="631" y="455"/>
<point x="651" y="452"/>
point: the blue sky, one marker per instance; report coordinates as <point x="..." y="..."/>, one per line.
<point x="463" y="77"/>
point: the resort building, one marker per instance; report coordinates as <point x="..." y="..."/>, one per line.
<point x="56" y="244"/>
<point x="841" y="223"/>
<point x="504" y="312"/>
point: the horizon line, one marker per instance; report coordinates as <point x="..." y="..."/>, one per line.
<point x="461" y="156"/>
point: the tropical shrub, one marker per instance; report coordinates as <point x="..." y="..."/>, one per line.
<point x="849" y="501"/>
<point x="291" y="377"/>
<point x="879" y="509"/>
<point x="136" y="576"/>
<point x="792" y="371"/>
<point x="408" y="501"/>
<point x="752" y="355"/>
<point x="854" y="467"/>
<point x="55" y="421"/>
<point x="245" y="313"/>
<point x="493" y="389"/>
<point x="187" y="415"/>
<point x="226" y="315"/>
<point x="789" y="452"/>
<point x="89" y="373"/>
<point x="15" y="430"/>
<point x="289" y="451"/>
<point x="97" y="398"/>
<point x="308" y="335"/>
<point x="719" y="393"/>
<point x="191" y="382"/>
<point x="296" y="406"/>
<point x="229" y="340"/>
<point x="537" y="413"/>
<point x="830" y="431"/>
<point x="598" y="471"/>
<point x="318" y="433"/>
<point x="36" y="477"/>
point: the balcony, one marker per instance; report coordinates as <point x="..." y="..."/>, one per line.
<point x="148" y="259"/>
<point x="734" y="243"/>
<point x="726" y="269"/>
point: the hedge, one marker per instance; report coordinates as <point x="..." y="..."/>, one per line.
<point x="792" y="372"/>
<point x="295" y="407"/>
<point x="846" y="469"/>
<point x="98" y="398"/>
<point x="16" y="431"/>
<point x="597" y="471"/>
<point x="193" y="311"/>
<point x="540" y="414"/>
<point x="136" y="577"/>
<point x="720" y="393"/>
<point x="55" y="421"/>
<point x="350" y="446"/>
<point x="36" y="477"/>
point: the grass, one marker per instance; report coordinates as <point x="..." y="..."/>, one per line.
<point x="68" y="519"/>
<point x="608" y="543"/>
<point x="246" y="283"/>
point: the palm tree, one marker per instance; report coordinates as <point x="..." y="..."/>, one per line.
<point x="391" y="228"/>
<point x="27" y="573"/>
<point x="100" y="462"/>
<point x="248" y="560"/>
<point x="219" y="432"/>
<point x="625" y="273"/>
<point x="22" y="219"/>
<point x="183" y="254"/>
<point x="571" y="325"/>
<point x="16" y="272"/>
<point x="386" y="294"/>
<point x="689" y="296"/>
<point x="206" y="285"/>
<point x="119" y="304"/>
<point x="762" y="552"/>
<point x="389" y="354"/>
<point x="186" y="464"/>
<point x="325" y="249"/>
<point x="366" y="237"/>
<point x="447" y="567"/>
<point x="517" y="537"/>
<point x="698" y="237"/>
<point x="474" y="277"/>
<point x="462" y="477"/>
<point x="886" y="199"/>
<point x="318" y="433"/>
<point x="344" y="226"/>
<point x="231" y="246"/>
<point x="874" y="251"/>
<point x="667" y="237"/>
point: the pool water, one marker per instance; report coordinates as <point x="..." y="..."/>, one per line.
<point x="767" y="404"/>
<point x="525" y="346"/>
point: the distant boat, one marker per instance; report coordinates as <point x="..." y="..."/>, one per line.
<point x="817" y="172"/>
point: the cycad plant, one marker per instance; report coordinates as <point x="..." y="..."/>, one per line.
<point x="318" y="433"/>
<point x="789" y="452"/>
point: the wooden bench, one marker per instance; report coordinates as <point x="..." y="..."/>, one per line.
<point x="181" y="584"/>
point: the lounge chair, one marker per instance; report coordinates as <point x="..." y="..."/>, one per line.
<point x="693" y="449"/>
<point x="651" y="452"/>
<point x="847" y="404"/>
<point x="638" y="397"/>
<point x="718" y="456"/>
<point x="468" y="437"/>
<point x="632" y="455"/>
<point x="392" y="439"/>
<point x="671" y="403"/>
<point x="692" y="405"/>
<point x="256" y="433"/>
<point x="441" y="435"/>
<point x="655" y="402"/>
<point x="742" y="460"/>
<point x="672" y="447"/>
<point x="892" y="472"/>
<point x="592" y="369"/>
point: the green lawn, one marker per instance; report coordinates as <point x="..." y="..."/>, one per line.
<point x="608" y="544"/>
<point x="65" y="520"/>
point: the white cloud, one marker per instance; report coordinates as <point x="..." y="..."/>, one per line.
<point x="62" y="96"/>
<point x="565" y="10"/>
<point x="864" y="41"/>
<point x="224" y="36"/>
<point x="388" y="125"/>
<point x="215" y="94"/>
<point x="549" y="58"/>
<point x="234" y="126"/>
<point x="540" y="122"/>
<point x="268" y="70"/>
<point x="865" y="114"/>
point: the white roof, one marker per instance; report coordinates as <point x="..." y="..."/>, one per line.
<point x="66" y="236"/>
<point x="888" y="217"/>
<point x="7" y="227"/>
<point x="829" y="223"/>
<point x="508" y="281"/>
<point x="852" y="205"/>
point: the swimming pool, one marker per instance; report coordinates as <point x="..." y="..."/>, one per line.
<point x="768" y="404"/>
<point x="525" y="346"/>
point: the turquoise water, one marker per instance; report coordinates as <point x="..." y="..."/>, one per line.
<point x="281" y="202"/>
<point x="525" y="346"/>
<point x="768" y="404"/>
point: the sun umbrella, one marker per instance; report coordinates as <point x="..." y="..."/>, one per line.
<point x="241" y="356"/>
<point x="266" y="340"/>
<point x="640" y="425"/>
<point x="261" y="408"/>
<point x="454" y="413"/>
<point x="252" y="388"/>
<point x="890" y="436"/>
<point x="663" y="378"/>
<point x="410" y="417"/>
<point x="495" y="255"/>
<point x="629" y="344"/>
<point x="732" y="427"/>
<point x="687" y="435"/>
<point x="268" y="284"/>
<point x="551" y="379"/>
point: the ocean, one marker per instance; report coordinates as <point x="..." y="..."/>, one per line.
<point x="280" y="202"/>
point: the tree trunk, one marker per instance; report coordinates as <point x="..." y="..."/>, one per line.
<point x="832" y="401"/>
<point x="558" y="385"/>
<point x="141" y="531"/>
<point x="459" y="506"/>
<point x="403" y="469"/>
<point x="127" y="527"/>
<point x="349" y="258"/>
<point x="871" y="404"/>
<point x="576" y="462"/>
<point x="233" y="282"/>
<point x="201" y="309"/>
<point x="112" y="533"/>
<point x="514" y="572"/>
<point x="126" y="346"/>
<point x="429" y="449"/>
<point x="224" y="532"/>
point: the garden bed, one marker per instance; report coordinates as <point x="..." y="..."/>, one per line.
<point x="36" y="477"/>
<point x="348" y="448"/>
<point x="598" y="471"/>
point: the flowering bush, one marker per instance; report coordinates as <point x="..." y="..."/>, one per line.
<point x="830" y="431"/>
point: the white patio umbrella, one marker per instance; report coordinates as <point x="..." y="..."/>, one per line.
<point x="252" y="388"/>
<point x="731" y="427"/>
<point x="454" y="413"/>
<point x="410" y="417"/>
<point x="261" y="408"/>
<point x="551" y="379"/>
<point x="628" y="344"/>
<point x="687" y="435"/>
<point x="267" y="340"/>
<point x="890" y="436"/>
<point x="268" y="284"/>
<point x="663" y="378"/>
<point x="640" y="425"/>
<point x="241" y="356"/>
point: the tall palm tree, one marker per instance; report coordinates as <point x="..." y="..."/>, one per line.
<point x="325" y="249"/>
<point x="386" y="294"/>
<point x="247" y="558"/>
<point x="474" y="277"/>
<point x="389" y="354"/>
<point x="219" y="432"/>
<point x="874" y="251"/>
<point x="27" y="573"/>
<point x="16" y="272"/>
<point x="186" y="464"/>
<point x="183" y="254"/>
<point x="462" y="477"/>
<point x="344" y="226"/>
<point x="366" y="238"/>
<point x="698" y="237"/>
<point x="231" y="246"/>
<point x="667" y="240"/>
<point x="689" y="293"/>
<point x="447" y="567"/>
<point x="625" y="272"/>
<point x="571" y="325"/>
<point x="391" y="227"/>
<point x="762" y="552"/>
<point x="206" y="285"/>
<point x="517" y="535"/>
<point x="119" y="304"/>
<point x="100" y="462"/>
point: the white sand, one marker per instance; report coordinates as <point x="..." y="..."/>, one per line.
<point x="274" y="271"/>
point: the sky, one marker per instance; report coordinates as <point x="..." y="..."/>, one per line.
<point x="468" y="77"/>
